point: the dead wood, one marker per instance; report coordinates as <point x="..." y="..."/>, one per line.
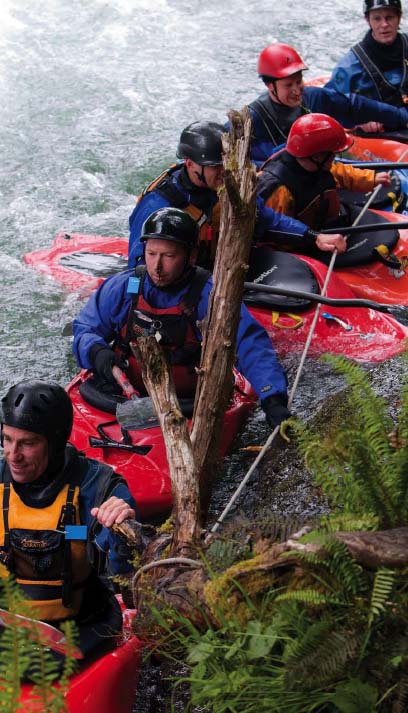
<point x="215" y="380"/>
<point x="159" y="383"/>
<point x="192" y="463"/>
<point x="196" y="595"/>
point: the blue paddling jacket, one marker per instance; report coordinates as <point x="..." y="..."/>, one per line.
<point x="206" y="201"/>
<point x="357" y="72"/>
<point x="271" y="122"/>
<point x="103" y="317"/>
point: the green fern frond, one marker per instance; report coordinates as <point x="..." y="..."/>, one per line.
<point x="23" y="656"/>
<point x="384" y="581"/>
<point x="400" y="704"/>
<point x="355" y="464"/>
<point x="342" y="522"/>
<point x="310" y="597"/>
<point x="336" y="567"/>
<point x="320" y="655"/>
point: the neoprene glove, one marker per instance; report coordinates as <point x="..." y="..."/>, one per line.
<point x="276" y="409"/>
<point x="103" y="359"/>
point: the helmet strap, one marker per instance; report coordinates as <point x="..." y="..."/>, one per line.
<point x="275" y="92"/>
<point x="201" y="176"/>
<point x="319" y="164"/>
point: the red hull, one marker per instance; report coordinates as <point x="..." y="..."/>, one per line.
<point x="50" y="261"/>
<point x="107" y="685"/>
<point x="374" y="336"/>
<point x="147" y="475"/>
<point x="377" y="281"/>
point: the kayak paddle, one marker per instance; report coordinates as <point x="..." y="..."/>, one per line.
<point x="370" y="228"/>
<point x="397" y="311"/>
<point x="375" y="165"/>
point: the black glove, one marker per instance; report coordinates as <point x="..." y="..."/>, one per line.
<point x="276" y="409"/>
<point x="103" y="359"/>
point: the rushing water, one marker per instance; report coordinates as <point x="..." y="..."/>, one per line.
<point x="94" y="95"/>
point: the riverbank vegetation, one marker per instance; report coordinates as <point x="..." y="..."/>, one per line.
<point x="316" y="621"/>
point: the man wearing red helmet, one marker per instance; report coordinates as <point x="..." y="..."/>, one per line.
<point x="377" y="66"/>
<point x="302" y="180"/>
<point x="286" y="99"/>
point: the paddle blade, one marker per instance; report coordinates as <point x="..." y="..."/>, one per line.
<point x="400" y="312"/>
<point x="137" y="413"/>
<point x="45" y="634"/>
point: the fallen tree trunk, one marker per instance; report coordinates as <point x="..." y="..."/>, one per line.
<point x="192" y="463"/>
<point x="184" y="479"/>
<point x="215" y="379"/>
<point x="280" y="565"/>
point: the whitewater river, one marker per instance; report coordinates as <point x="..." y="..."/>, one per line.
<point x="93" y="96"/>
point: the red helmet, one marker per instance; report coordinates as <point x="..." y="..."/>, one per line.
<point x="312" y="133"/>
<point x="279" y="61"/>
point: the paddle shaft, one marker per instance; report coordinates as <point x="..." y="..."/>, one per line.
<point x="370" y="228"/>
<point x="322" y="299"/>
<point x="122" y="380"/>
<point x="376" y="166"/>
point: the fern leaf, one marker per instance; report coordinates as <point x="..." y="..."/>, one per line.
<point x="383" y="583"/>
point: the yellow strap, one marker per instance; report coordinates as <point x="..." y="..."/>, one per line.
<point x="395" y="200"/>
<point x="276" y="317"/>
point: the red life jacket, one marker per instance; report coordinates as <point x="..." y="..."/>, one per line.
<point x="176" y="329"/>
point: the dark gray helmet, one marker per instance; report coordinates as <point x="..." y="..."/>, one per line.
<point x="201" y="141"/>
<point x="380" y="4"/>
<point x="171" y="224"/>
<point x="41" y="407"/>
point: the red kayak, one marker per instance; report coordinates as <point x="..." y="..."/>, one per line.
<point x="359" y="333"/>
<point x="388" y="146"/>
<point x="106" y="685"/>
<point x="138" y="452"/>
<point x="378" y="281"/>
<point x="81" y="262"/>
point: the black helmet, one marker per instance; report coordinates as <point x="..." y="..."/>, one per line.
<point x="201" y="141"/>
<point x="379" y="4"/>
<point x="171" y="224"/>
<point x="41" y="407"/>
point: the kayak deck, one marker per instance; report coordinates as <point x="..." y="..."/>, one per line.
<point x="362" y="334"/>
<point x="75" y="262"/>
<point x="147" y="474"/>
